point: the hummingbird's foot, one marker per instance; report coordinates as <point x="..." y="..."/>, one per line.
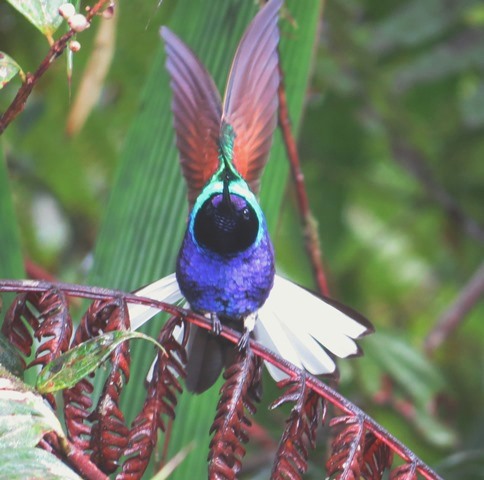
<point x="216" y="324"/>
<point x="249" y="324"/>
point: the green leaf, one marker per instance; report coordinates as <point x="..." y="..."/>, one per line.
<point x="71" y="367"/>
<point x="8" y="69"/>
<point x="415" y="374"/>
<point x="10" y="357"/>
<point x="43" y="14"/>
<point x="417" y="377"/>
<point x="11" y="263"/>
<point x="146" y="215"/>
<point x="34" y="464"/>
<point x="24" y="416"/>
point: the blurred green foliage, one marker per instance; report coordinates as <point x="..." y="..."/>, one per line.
<point x="392" y="145"/>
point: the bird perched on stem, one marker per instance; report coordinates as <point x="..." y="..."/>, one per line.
<point x="225" y="267"/>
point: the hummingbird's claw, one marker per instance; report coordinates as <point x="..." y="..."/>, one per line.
<point x="249" y="324"/>
<point x="243" y="343"/>
<point x="216" y="324"/>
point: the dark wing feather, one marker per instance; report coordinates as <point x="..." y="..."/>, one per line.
<point x="251" y="101"/>
<point x="197" y="110"/>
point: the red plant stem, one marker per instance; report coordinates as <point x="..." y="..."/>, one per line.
<point x="31" y="79"/>
<point x="76" y="458"/>
<point x="311" y="236"/>
<point x="83" y="465"/>
<point x="292" y="371"/>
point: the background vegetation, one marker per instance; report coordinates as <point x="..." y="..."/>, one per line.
<point x="392" y="144"/>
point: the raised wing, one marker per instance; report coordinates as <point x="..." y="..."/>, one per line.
<point x="197" y="110"/>
<point x="250" y="104"/>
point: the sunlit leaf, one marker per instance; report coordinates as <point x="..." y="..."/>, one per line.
<point x="71" y="367"/>
<point x="8" y="69"/>
<point x="43" y="14"/>
<point x="34" y="464"/>
<point x="24" y="416"/>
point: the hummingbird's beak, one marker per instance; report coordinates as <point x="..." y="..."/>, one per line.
<point x="226" y="201"/>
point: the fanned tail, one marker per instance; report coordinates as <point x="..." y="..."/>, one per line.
<point x="307" y="330"/>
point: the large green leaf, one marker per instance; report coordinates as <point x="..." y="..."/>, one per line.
<point x="11" y="265"/>
<point x="24" y="419"/>
<point x="146" y="214"/>
<point x="24" y="416"/>
<point x="34" y="464"/>
<point x="10" y="255"/>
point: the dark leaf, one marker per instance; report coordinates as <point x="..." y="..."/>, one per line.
<point x="109" y="436"/>
<point x="300" y="433"/>
<point x="161" y="399"/>
<point x="230" y="427"/>
<point x="377" y="457"/>
<point x="346" y="460"/>
<point x="404" y="472"/>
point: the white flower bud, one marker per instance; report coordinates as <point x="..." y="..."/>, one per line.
<point x="74" y="46"/>
<point x="66" y="10"/>
<point x="108" y="12"/>
<point x="78" y="22"/>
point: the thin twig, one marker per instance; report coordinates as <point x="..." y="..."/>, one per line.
<point x="31" y="79"/>
<point x="233" y="336"/>
<point x="472" y="292"/>
<point x="311" y="235"/>
<point x="413" y="162"/>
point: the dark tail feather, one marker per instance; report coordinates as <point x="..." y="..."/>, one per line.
<point x="207" y="355"/>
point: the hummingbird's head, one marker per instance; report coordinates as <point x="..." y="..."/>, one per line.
<point x="226" y="223"/>
<point x="226" y="218"/>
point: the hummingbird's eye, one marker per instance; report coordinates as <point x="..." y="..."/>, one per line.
<point x="246" y="214"/>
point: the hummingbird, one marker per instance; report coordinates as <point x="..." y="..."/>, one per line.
<point x="225" y="267"/>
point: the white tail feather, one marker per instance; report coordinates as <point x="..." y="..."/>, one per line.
<point x="164" y="290"/>
<point x="295" y="317"/>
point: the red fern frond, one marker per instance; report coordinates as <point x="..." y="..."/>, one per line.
<point x="299" y="435"/>
<point x="377" y="457"/>
<point x="15" y="328"/>
<point x="346" y="458"/>
<point x="77" y="406"/>
<point x="55" y="329"/>
<point x="408" y="471"/>
<point x="239" y="395"/>
<point x="163" y="390"/>
<point x="47" y="313"/>
<point x="101" y="316"/>
<point x="109" y="436"/>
